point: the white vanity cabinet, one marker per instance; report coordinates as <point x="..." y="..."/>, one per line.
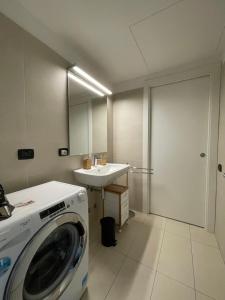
<point x="116" y="203"/>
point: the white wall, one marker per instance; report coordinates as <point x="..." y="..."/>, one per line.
<point x="109" y="128"/>
<point x="220" y="204"/>
<point x="33" y="112"/>
<point x="128" y="138"/>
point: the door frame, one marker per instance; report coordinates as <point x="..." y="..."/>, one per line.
<point x="213" y="71"/>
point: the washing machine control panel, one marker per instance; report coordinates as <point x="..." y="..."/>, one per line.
<point x="56" y="209"/>
<point x="53" y="210"/>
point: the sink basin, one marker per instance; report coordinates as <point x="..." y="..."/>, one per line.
<point x="100" y="175"/>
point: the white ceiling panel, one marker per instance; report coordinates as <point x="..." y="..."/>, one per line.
<point x="189" y="31"/>
<point x="125" y="39"/>
<point x="100" y="29"/>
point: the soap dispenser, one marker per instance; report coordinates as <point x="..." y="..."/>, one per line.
<point x="5" y="207"/>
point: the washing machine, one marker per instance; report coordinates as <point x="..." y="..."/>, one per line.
<point x="44" y="245"/>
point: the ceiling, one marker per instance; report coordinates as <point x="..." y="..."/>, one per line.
<point x="126" y="39"/>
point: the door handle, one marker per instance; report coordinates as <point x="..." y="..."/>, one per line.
<point x="223" y="174"/>
<point x="220" y="167"/>
<point x="202" y="154"/>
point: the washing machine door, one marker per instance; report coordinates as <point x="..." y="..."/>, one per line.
<point x="49" y="262"/>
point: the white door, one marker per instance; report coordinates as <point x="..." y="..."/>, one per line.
<point x="179" y="138"/>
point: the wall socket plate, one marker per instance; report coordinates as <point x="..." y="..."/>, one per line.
<point x="63" y="151"/>
<point x="24" y="154"/>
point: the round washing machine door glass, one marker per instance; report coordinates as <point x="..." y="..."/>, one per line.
<point x="47" y="264"/>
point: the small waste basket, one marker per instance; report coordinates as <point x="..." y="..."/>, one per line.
<point x="108" y="231"/>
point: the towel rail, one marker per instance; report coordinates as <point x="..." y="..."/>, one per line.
<point x="139" y="170"/>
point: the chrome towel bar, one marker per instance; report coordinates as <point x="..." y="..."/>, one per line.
<point x="137" y="170"/>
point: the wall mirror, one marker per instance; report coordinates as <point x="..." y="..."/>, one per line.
<point x="87" y="120"/>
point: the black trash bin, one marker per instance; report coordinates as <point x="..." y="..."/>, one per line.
<point x="108" y="231"/>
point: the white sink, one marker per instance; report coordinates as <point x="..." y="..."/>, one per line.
<point x="100" y="175"/>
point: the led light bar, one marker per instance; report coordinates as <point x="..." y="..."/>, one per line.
<point x="85" y="84"/>
<point x="86" y="76"/>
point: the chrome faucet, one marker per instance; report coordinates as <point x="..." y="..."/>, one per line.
<point x="94" y="158"/>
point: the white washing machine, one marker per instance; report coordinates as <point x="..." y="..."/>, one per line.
<point x="44" y="245"/>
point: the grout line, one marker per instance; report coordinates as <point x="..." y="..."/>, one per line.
<point x="139" y="49"/>
<point x="210" y="297"/>
<point x="157" y="265"/>
<point x="220" y="250"/>
<point x="156" y="12"/>
<point x="176" y="220"/>
<point x="126" y="256"/>
<point x="192" y="258"/>
<point x="173" y="279"/>
<point x="180" y="236"/>
<point x="116" y="275"/>
<point x="143" y="19"/>
<point x="155" y="269"/>
<point x="206" y="245"/>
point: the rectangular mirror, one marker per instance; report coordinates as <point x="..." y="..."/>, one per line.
<point x="87" y="120"/>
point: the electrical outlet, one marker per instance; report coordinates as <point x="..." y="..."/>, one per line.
<point x="63" y="152"/>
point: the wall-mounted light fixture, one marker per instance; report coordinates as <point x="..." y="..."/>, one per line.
<point x="85" y="84"/>
<point x="90" y="80"/>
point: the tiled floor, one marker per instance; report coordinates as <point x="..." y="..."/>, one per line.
<point x="157" y="259"/>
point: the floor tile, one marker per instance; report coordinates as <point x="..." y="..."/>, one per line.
<point x="202" y="236"/>
<point x="125" y="238"/>
<point x="155" y="221"/>
<point x="127" y="271"/>
<point x="94" y="232"/>
<point x="178" y="228"/>
<point x="137" y="223"/>
<point x="139" y="216"/>
<point x="99" y="284"/>
<point x="134" y="282"/>
<point x="102" y="272"/>
<point x="129" y="233"/>
<point x="209" y="271"/>
<point x="146" y="246"/>
<point x="109" y="258"/>
<point x="169" y="289"/>
<point x="94" y="247"/>
<point x="176" y="259"/>
<point x="200" y="296"/>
